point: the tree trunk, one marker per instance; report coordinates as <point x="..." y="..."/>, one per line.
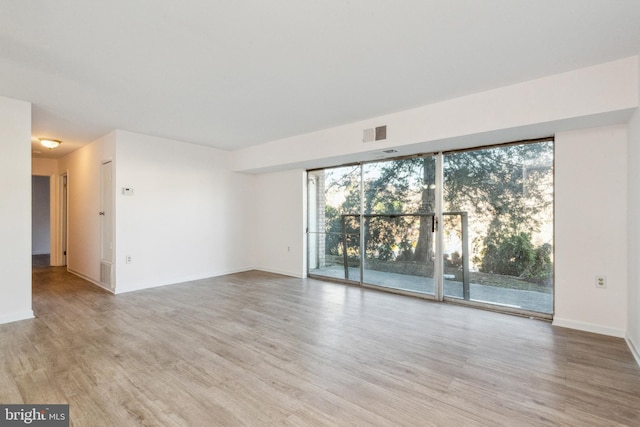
<point x="424" y="247"/>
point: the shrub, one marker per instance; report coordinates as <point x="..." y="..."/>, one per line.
<point x="515" y="255"/>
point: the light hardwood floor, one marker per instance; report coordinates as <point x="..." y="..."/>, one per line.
<point x="261" y="349"/>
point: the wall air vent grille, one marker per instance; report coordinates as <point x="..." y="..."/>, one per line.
<point x="368" y="135"/>
<point x="105" y="274"/>
<point x="381" y="133"/>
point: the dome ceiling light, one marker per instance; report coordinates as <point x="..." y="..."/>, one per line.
<point x="50" y="143"/>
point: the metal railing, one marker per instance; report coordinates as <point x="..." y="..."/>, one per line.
<point x="346" y="237"/>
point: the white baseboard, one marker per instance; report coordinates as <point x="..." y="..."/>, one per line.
<point x="297" y="275"/>
<point x="40" y="253"/>
<point x="633" y="348"/>
<point x="589" y="327"/>
<point x="15" y="317"/>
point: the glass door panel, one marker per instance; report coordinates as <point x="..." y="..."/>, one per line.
<point x="390" y="252"/>
<point x="398" y="224"/>
<point x="333" y="238"/>
<point x="507" y="194"/>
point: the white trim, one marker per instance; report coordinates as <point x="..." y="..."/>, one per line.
<point x="41" y="253"/>
<point x="633" y="348"/>
<point x="17" y="316"/>
<point x="589" y="327"/>
<point x="276" y="271"/>
<point x="53" y="220"/>
<point x="438" y="236"/>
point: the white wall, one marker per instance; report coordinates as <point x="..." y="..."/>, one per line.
<point x="15" y="210"/>
<point x="279" y="223"/>
<point x="44" y="167"/>
<point x="188" y="217"/>
<point x="591" y="229"/>
<point x="633" y="221"/>
<point x="84" y="234"/>
<point x="40" y="215"/>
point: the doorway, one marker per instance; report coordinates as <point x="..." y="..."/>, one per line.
<point x="473" y="226"/>
<point x="40" y="221"/>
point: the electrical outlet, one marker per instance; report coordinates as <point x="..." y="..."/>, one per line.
<point x="128" y="259"/>
<point x="601" y="282"/>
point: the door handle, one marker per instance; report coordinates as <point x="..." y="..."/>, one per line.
<point x="101" y="213"/>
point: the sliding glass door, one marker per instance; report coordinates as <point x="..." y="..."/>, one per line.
<point x="471" y="226"/>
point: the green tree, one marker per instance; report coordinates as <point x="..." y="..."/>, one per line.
<point x="510" y="188"/>
<point x="405" y="186"/>
<point x="505" y="188"/>
<point x="344" y="181"/>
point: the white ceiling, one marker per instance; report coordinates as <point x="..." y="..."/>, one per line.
<point x="231" y="74"/>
